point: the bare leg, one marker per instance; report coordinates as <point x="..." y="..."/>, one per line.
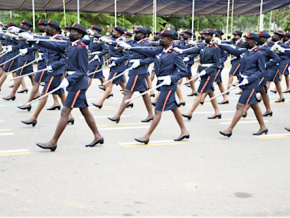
<point x="90" y="81"/>
<point x="266" y="100"/>
<point x="55" y="100"/>
<point x="179" y="95"/>
<point x="287" y="82"/>
<point x="231" y="79"/>
<point x="39" y="108"/>
<point x="149" y="84"/>
<point x="34" y="92"/>
<point x="214" y="103"/>
<point x="195" y="104"/>
<point x="16" y="85"/>
<point x="222" y="89"/>
<point x="237" y="117"/>
<point x="127" y="95"/>
<point x="91" y="123"/>
<point x="258" y="114"/>
<point x="156" y="97"/>
<point x="153" y="125"/>
<point x="23" y="84"/>
<point x="106" y="93"/>
<point x="180" y="122"/>
<point x="279" y="90"/>
<point x="147" y="102"/>
<point x="2" y="79"/>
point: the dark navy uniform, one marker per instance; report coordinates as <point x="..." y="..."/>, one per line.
<point x="223" y="59"/>
<point x="209" y="61"/>
<point x="183" y="44"/>
<point x="76" y="61"/>
<point x="253" y="66"/>
<point x="41" y="64"/>
<point x="167" y="63"/>
<point x="236" y="60"/>
<point x="11" y="65"/>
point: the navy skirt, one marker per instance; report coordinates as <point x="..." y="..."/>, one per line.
<point x="137" y="83"/>
<point x="51" y="83"/>
<point x="206" y="84"/>
<point x="248" y="95"/>
<point x="94" y="67"/>
<point x="218" y="76"/>
<point x="235" y="69"/>
<point x="76" y="99"/>
<point x="166" y="100"/>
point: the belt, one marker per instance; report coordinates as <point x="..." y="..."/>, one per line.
<point x="205" y="65"/>
<point x="114" y="58"/>
<point x="133" y="60"/>
<point x="96" y="52"/>
<point x="70" y="72"/>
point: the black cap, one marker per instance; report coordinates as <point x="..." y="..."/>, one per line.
<point x="148" y="31"/>
<point x="218" y="31"/>
<point x="42" y="22"/>
<point x="11" y="24"/>
<point x="54" y="24"/>
<point x="26" y="22"/>
<point x="279" y="32"/>
<point x="141" y="30"/>
<point x="169" y="33"/>
<point x="209" y="32"/>
<point x="287" y="34"/>
<point x="96" y="27"/>
<point x="264" y="34"/>
<point x="157" y="32"/>
<point x="67" y="27"/>
<point x="128" y="34"/>
<point x="188" y="32"/>
<point x="119" y="29"/>
<point x="253" y="36"/>
<point x="79" y="28"/>
<point x="238" y="32"/>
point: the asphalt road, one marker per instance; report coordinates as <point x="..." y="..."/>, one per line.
<point x="207" y="175"/>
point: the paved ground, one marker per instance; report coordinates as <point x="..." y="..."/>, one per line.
<point x="204" y="176"/>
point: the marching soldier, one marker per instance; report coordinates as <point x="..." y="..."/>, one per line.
<point x="252" y="65"/>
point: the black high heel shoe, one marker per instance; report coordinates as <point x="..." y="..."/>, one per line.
<point x="54" y="108"/>
<point x="22" y="91"/>
<point x="279" y="101"/>
<point x="187" y="116"/>
<point x="72" y="121"/>
<point x="181" y="104"/>
<point x="288" y="129"/>
<point x="33" y="123"/>
<point x="245" y="115"/>
<point x="201" y="102"/>
<point x="192" y="94"/>
<point x="262" y="132"/>
<point x="147" y="120"/>
<point x="102" y="87"/>
<point x="130" y="105"/>
<point x="142" y="141"/>
<point x="110" y="95"/>
<point x="224" y="102"/>
<point x="8" y="99"/>
<point x="52" y="148"/>
<point x="226" y="134"/>
<point x="11" y="86"/>
<point x="288" y="91"/>
<point x="273" y="91"/>
<point x="114" y="120"/>
<point x="154" y="104"/>
<point x="100" y="141"/>
<point x="268" y="114"/>
<point x="152" y="95"/>
<point x="186" y="136"/>
<point x="25" y="108"/>
<point x="98" y="106"/>
<point x="219" y="116"/>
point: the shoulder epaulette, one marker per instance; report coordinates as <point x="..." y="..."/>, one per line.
<point x="83" y="44"/>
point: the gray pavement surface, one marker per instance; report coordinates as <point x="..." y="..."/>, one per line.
<point x="207" y="175"/>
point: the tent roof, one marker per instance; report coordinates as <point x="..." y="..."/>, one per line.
<point x="164" y="7"/>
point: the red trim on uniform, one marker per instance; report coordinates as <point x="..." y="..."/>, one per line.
<point x="49" y="83"/>
<point x="217" y="74"/>
<point x="75" y="99"/>
<point x="205" y="84"/>
<point x="135" y="80"/>
<point x="166" y="99"/>
<point x="286" y="66"/>
<point x="42" y="73"/>
<point x="253" y="90"/>
<point x="236" y="69"/>
<point x="276" y="75"/>
<point x="114" y="77"/>
<point x="261" y="80"/>
<point x="22" y="68"/>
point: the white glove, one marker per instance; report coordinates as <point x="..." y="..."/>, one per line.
<point x="280" y="48"/>
<point x="97" y="58"/>
<point x="64" y="83"/>
<point x="4" y="49"/>
<point x="105" y="39"/>
<point x="9" y="35"/>
<point x="13" y="29"/>
<point x="49" y="69"/>
<point x="202" y="73"/>
<point x="244" y="82"/>
<point x="26" y="35"/>
<point x="23" y="51"/>
<point x="90" y="32"/>
<point x="186" y="59"/>
<point x="124" y="45"/>
<point x="9" y="48"/>
<point x="216" y="40"/>
<point x="274" y="47"/>
<point x="166" y="80"/>
<point x="191" y="42"/>
<point x="136" y="63"/>
<point x="113" y="64"/>
<point x="40" y="56"/>
<point x="178" y="50"/>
